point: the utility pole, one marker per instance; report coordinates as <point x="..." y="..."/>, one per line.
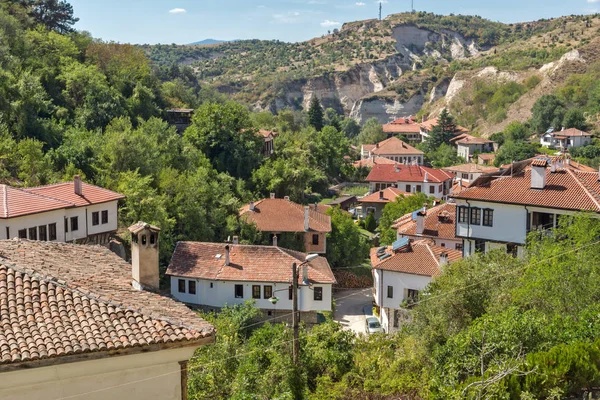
<point x="296" y="347"/>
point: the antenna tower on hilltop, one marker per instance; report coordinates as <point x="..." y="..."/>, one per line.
<point x="380" y="10"/>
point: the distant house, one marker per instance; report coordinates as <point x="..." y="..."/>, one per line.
<point x="411" y="179"/>
<point x="427" y="126"/>
<point x="469" y="172"/>
<point x="181" y="118"/>
<point x="401" y="272"/>
<point x="276" y="216"/>
<point x="269" y="146"/>
<point x="406" y="127"/>
<point x="393" y="149"/>
<point x="213" y="275"/>
<point x="437" y="224"/>
<point x="565" y="139"/>
<point x="486" y="158"/>
<point x="376" y="202"/>
<point x="373" y="160"/>
<point x="467" y="146"/>
<point x="63" y="212"/>
<point x="344" y="202"/>
<point x="77" y="322"/>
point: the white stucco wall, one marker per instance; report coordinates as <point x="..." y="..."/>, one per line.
<point x="399" y="281"/>
<point x="154" y="375"/>
<point x="223" y="293"/>
<point x="509" y="223"/>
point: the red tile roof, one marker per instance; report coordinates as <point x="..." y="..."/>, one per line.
<point x="468" y="139"/>
<point x="571" y="132"/>
<point x="439" y="223"/>
<point x="402" y="125"/>
<point x="59" y="299"/>
<point x="247" y="263"/>
<point x="265" y="133"/>
<point x="65" y="191"/>
<point x="392" y="146"/>
<point x="419" y="258"/>
<point x="407" y="173"/>
<point x="487" y="156"/>
<point x="428" y="125"/>
<point x="17" y="202"/>
<point x="369" y="162"/>
<point x="471" y="168"/>
<point x="280" y="215"/>
<point x="384" y="196"/>
<point x="565" y="189"/>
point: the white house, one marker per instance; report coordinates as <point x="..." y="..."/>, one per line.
<point x="213" y="275"/>
<point x="469" y="172"/>
<point x="75" y="326"/>
<point x="64" y="212"/>
<point x="499" y="210"/>
<point x="563" y="140"/>
<point x="437" y="224"/>
<point x="393" y="149"/>
<point x="467" y="146"/>
<point x="410" y="179"/>
<point x="406" y="127"/>
<point x="400" y="272"/>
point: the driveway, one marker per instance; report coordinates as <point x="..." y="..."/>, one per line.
<point x="351" y="306"/>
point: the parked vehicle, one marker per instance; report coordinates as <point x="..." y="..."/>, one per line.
<point x="372" y="325"/>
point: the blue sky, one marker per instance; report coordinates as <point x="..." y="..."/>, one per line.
<point x="185" y="21"/>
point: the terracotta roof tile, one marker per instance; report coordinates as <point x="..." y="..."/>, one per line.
<point x="571" y="132"/>
<point x="265" y="133"/>
<point x="430" y="123"/>
<point x="369" y="162"/>
<point x="392" y="145"/>
<point x="439" y="223"/>
<point x="407" y="173"/>
<point x="247" y="263"/>
<point x="59" y="299"/>
<point x="471" y="168"/>
<point x="18" y="202"/>
<point x="65" y="191"/>
<point x="419" y="258"/>
<point x="468" y="139"/>
<point x="280" y="215"/>
<point x="402" y="125"/>
<point x="384" y="196"/>
<point x="487" y="156"/>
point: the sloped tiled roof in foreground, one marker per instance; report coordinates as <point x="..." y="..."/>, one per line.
<point x="439" y="222"/>
<point x="419" y="258"/>
<point x="248" y="263"/>
<point x="59" y="299"/>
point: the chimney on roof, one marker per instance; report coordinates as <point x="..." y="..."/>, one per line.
<point x="376" y="145"/>
<point x="305" y="280"/>
<point x="77" y="185"/>
<point x="236" y="240"/>
<point x="396" y="168"/>
<point x="274" y="240"/>
<point x="426" y="178"/>
<point x="306" y="213"/>
<point x="421" y="221"/>
<point x="373" y="159"/>
<point x="144" y="256"/>
<point x="227" y="261"/>
<point x="443" y="258"/>
<point x="251" y="206"/>
<point x="538" y="174"/>
<point x="316" y="207"/>
<point x="286" y="198"/>
<point x="272" y="195"/>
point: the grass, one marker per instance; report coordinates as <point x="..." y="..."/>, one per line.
<point x="363" y="269"/>
<point x="355" y="190"/>
<point x="366" y="233"/>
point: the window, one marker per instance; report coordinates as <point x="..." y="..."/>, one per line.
<point x="66" y="224"/>
<point x="390" y="292"/>
<point x="431" y="189"/>
<point x="458" y="246"/>
<point x="105" y="217"/>
<point x="181" y="284"/>
<point x="32" y="233"/>
<point x="315" y="240"/>
<point x="211" y="285"/>
<point x="440" y="188"/>
<point x="488" y="217"/>
<point x="462" y="214"/>
<point x="152" y="238"/>
<point x="318" y="293"/>
<point x="464" y="176"/>
<point x="267" y="291"/>
<point x="52" y="232"/>
<point x="419" y="188"/>
<point x="95" y="218"/>
<point x="412" y="294"/>
<point x="42" y="231"/>
<point x="475" y="216"/>
<point x="74" y="224"/>
<point x="479" y="246"/>
<point x="239" y="291"/>
<point x="407" y="189"/>
<point x="255" y="292"/>
<point x="143" y="239"/>
<point x="192" y="287"/>
<point x="23" y="234"/>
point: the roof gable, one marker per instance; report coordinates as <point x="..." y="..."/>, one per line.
<point x="418" y="258"/>
<point x="280" y="215"/>
<point x="392" y="146"/>
<point x="439" y="222"/>
<point x="407" y="173"/>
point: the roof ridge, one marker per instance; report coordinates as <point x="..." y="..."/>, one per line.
<point x="435" y="259"/>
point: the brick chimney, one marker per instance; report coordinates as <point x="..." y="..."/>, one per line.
<point x="272" y="195"/>
<point x="77" y="185"/>
<point x="251" y="206"/>
<point x="538" y="173"/>
<point x="421" y="221"/>
<point x="381" y="194"/>
<point x="286" y="198"/>
<point x="426" y="177"/>
<point x="144" y="256"/>
<point x="443" y="258"/>
<point x="306" y="220"/>
<point x="274" y="240"/>
<point x="236" y="240"/>
<point x="227" y="261"/>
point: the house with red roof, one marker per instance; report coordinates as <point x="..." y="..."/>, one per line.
<point x="467" y="146"/>
<point x="411" y="179"/>
<point x="63" y="212"/>
<point x="407" y="127"/>
<point x="393" y="149"/>
<point x="565" y="139"/>
<point x="277" y="216"/>
<point x="403" y="270"/>
<point x="374" y="203"/>
<point x="499" y="210"/>
<point x="427" y="126"/>
<point x="437" y="224"/>
<point x="269" y="145"/>
<point x="213" y="275"/>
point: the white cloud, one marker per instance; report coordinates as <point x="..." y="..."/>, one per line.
<point x="287" y="18"/>
<point x="328" y="23"/>
<point x="178" y="11"/>
<point x="360" y="3"/>
<point x="381" y="1"/>
<point x="593" y="1"/>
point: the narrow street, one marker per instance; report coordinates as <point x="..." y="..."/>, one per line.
<point x="351" y="306"/>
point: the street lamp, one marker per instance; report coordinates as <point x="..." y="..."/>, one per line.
<point x="295" y="315"/>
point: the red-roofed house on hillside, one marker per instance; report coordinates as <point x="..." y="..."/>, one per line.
<point x="467" y="146"/>
<point x="213" y="275"/>
<point x="411" y="179"/>
<point x="77" y="323"/>
<point x="276" y="216"/>
<point x="565" y="139"/>
<point x="427" y="126"/>
<point x="371" y="161"/>
<point x="393" y="149"/>
<point x="64" y="212"/>
<point x="401" y="271"/>
<point x="499" y="210"/>
<point x="437" y="224"/>
<point x="406" y="127"/>
<point x="375" y="202"/>
<point x="269" y="146"/>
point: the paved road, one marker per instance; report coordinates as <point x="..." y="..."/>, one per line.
<point x="351" y="306"/>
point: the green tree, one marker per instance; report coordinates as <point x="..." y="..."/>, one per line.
<point x="34" y="166"/>
<point x="515" y="151"/>
<point x="330" y="147"/>
<point x="370" y="223"/>
<point x="548" y="111"/>
<point x="394" y="210"/>
<point x="574" y="118"/>
<point x="516" y="131"/>
<point x="440" y="133"/>
<point x="444" y="156"/>
<point x="371" y="132"/>
<point x="56" y="15"/>
<point x="315" y="114"/>
<point x="346" y="246"/>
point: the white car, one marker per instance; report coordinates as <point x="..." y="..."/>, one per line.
<point x="372" y="325"/>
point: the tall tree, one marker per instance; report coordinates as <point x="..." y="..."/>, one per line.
<point x="56" y="15"/>
<point x="315" y="114"/>
<point x="345" y="244"/>
<point x="440" y="133"/>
